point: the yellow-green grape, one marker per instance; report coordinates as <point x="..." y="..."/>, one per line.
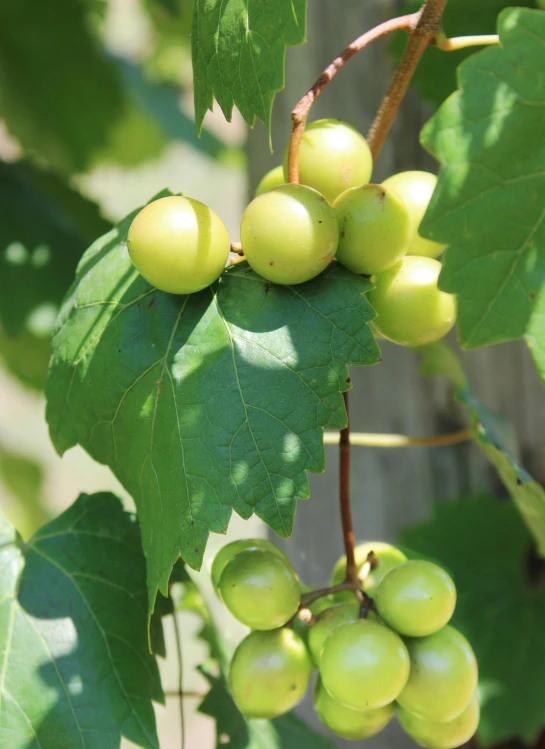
<point x="269" y="673"/>
<point x="272" y="179"/>
<point x="333" y="156"/>
<point x="375" y="228"/>
<point x="416" y="189"/>
<point x="387" y="556"/>
<point x="178" y="244"/>
<point x="289" y="235"/>
<point x="443" y="675"/>
<point x="442" y="735"/>
<point x="416" y="598"/>
<point x="354" y="725"/>
<point x="364" y="665"/>
<point x="330" y="619"/>
<point x="227" y="552"/>
<point x="411" y="310"/>
<point x="260" y="589"/>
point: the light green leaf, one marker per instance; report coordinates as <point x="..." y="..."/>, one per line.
<point x="501" y="609"/>
<point x="59" y="94"/>
<point x="75" y="670"/>
<point x="488" y="205"/>
<point x="435" y="76"/>
<point x="239" y="51"/>
<point x="205" y="403"/>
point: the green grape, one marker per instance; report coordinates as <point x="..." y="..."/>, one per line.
<point x="387" y="556"/>
<point x="416" y="189"/>
<point x="443" y="675"/>
<point x="416" y="598"/>
<point x="375" y="229"/>
<point x="354" y="725"/>
<point x="289" y="235"/>
<point x="333" y="156"/>
<point x="411" y="311"/>
<point x="227" y="552"/>
<point x="442" y="735"/>
<point x="364" y="665"/>
<point x="272" y="179"/>
<point x="269" y="673"/>
<point x="178" y="244"/>
<point x="329" y="620"/>
<point x="260" y="589"/>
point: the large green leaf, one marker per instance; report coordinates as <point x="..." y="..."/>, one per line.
<point x="59" y="94"/>
<point x="205" y="403"/>
<point x="44" y="228"/>
<point x="495" y="437"/>
<point x="500" y="608"/>
<point x="239" y="51"/>
<point x="435" y="76"/>
<point x="488" y="205"/>
<point x="75" y="670"/>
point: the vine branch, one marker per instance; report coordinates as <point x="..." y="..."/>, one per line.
<point x="344" y="499"/>
<point x="369" y="439"/>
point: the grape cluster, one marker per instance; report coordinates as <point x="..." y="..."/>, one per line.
<point x="291" y="232"/>
<point x="386" y="648"/>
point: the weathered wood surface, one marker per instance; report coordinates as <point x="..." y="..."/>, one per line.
<point x="391" y="488"/>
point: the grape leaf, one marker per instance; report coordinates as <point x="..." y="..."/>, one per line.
<point x="238" y="51"/>
<point x="435" y="76"/>
<point x="59" y="94"/>
<point x="205" y="403"/>
<point x="75" y="669"/>
<point x="488" y="204"/>
<point x="495" y="436"/>
<point x="501" y="610"/>
<point x="44" y="228"/>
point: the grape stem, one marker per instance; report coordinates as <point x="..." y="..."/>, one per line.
<point x="461" y="42"/>
<point x="344" y="500"/>
<point x="314" y="595"/>
<point x="365" y="439"/>
<point x="184" y="695"/>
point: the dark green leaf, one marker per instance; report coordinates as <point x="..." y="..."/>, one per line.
<point x="501" y="609"/>
<point x="494" y="434"/>
<point x="435" y="75"/>
<point x="488" y="205"/>
<point x="239" y="52"/>
<point x="44" y="228"/>
<point x="205" y="403"/>
<point x="59" y="95"/>
<point x="75" y="666"/>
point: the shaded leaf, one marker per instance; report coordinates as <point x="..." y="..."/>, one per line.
<point x="239" y="51"/>
<point x="75" y="666"/>
<point x="488" y="205"/>
<point x="500" y="609"/>
<point x="205" y="403"/>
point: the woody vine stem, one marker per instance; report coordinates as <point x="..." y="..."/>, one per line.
<point x="423" y="28"/>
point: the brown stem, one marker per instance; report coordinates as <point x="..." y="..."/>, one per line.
<point x="301" y="111"/>
<point x="344" y="499"/>
<point x="237" y="247"/>
<point x="184" y="695"/>
<point x="314" y="595"/>
<point x="427" y="25"/>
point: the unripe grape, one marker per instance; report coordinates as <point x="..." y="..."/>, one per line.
<point x="227" y="552"/>
<point x="260" y="589"/>
<point x="329" y="620"/>
<point x="416" y="598"/>
<point x="411" y="311"/>
<point x="364" y="665"/>
<point x="416" y="189"/>
<point x="446" y="735"/>
<point x="354" y="725"/>
<point x="443" y="676"/>
<point x="375" y="229"/>
<point x="269" y="673"/>
<point x="178" y="244"/>
<point x="289" y="235"/>
<point x="272" y="179"/>
<point x="333" y="156"/>
<point x="387" y="556"/>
